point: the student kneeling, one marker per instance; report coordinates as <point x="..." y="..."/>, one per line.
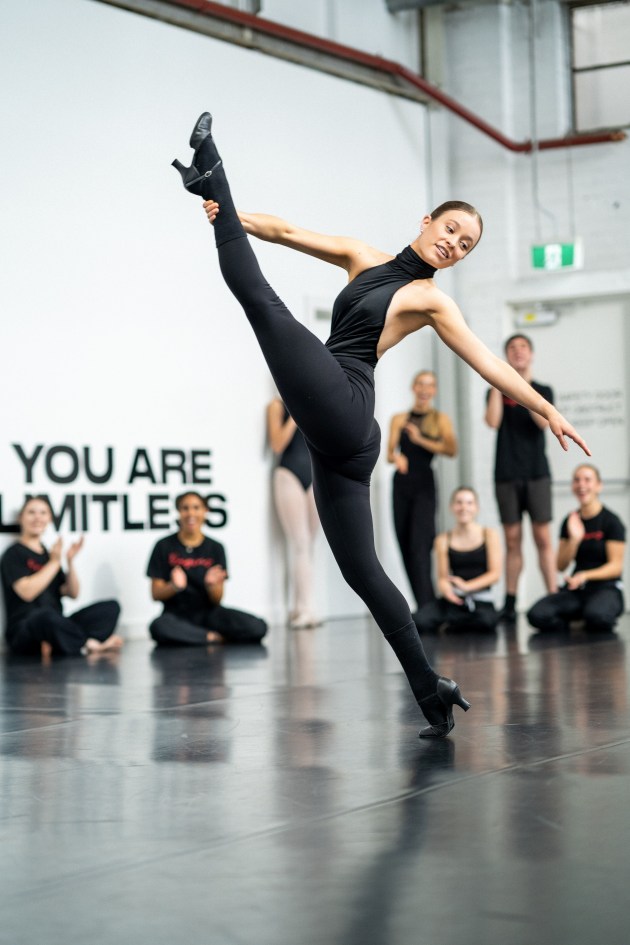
<point x="188" y="571"/>
<point x="594" y="538"/>
<point x="469" y="562"/>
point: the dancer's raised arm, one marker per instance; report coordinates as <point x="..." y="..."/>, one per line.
<point x="352" y="255"/>
<point x="448" y="322"/>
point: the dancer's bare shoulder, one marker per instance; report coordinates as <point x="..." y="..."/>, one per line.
<point x="422" y="300"/>
<point x="415" y="306"/>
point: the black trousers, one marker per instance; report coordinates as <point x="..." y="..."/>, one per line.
<point x="414" y="523"/>
<point x="331" y="398"/>
<point x="433" y="615"/>
<point x="599" y="609"/>
<point x="66" y="635"/>
<point x="235" y="626"/>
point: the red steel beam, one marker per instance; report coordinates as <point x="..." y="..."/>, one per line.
<point x="350" y="54"/>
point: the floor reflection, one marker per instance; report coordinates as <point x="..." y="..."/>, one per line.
<point x="284" y="789"/>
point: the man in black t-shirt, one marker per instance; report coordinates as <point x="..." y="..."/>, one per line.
<point x="521" y="474"/>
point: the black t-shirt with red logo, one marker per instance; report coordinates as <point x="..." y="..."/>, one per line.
<point x="18" y="561"/>
<point x="167" y="554"/>
<point x="591" y="553"/>
<point x="520" y="452"/>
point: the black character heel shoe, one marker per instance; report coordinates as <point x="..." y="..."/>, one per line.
<point x="438" y="708"/>
<point x="202" y="165"/>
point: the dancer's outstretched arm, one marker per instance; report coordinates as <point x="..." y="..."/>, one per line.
<point x="352" y="255"/>
<point x="448" y="322"/>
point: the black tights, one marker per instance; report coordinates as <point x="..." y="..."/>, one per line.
<point x="414" y="522"/>
<point x="332" y="402"/>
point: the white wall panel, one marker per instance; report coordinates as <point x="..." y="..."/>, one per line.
<point x="118" y="330"/>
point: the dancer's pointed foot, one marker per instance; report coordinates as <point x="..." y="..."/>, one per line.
<point x="438" y="708"/>
<point x="205" y="159"/>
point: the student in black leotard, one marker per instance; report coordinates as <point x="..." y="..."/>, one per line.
<point x="329" y="389"/>
<point x="415" y="437"/>
<point x="469" y="562"/>
<point x="295" y="505"/>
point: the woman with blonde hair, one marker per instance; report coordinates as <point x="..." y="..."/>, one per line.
<point x="593" y="541"/>
<point x="415" y="437"/>
<point x="469" y="562"/>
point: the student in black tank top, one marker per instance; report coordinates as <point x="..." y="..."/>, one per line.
<point x="592" y="543"/>
<point x="415" y="437"/>
<point x="329" y="389"/>
<point x="469" y="562"/>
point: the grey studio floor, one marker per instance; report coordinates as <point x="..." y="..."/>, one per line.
<point x="279" y="795"/>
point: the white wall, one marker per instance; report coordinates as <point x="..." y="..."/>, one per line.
<point x="119" y="331"/>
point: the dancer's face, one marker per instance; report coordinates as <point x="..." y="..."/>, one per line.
<point x="192" y="514"/>
<point x="464" y="507"/>
<point x="34" y="518"/>
<point x="448" y="238"/>
<point x="519" y="354"/>
<point x="586" y="485"/>
<point x="424" y="389"/>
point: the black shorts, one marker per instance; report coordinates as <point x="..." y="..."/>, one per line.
<point x="524" y="495"/>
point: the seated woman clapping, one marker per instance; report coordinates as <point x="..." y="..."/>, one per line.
<point x="593" y="540"/>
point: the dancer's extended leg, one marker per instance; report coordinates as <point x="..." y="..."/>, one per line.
<point x="344" y="510"/>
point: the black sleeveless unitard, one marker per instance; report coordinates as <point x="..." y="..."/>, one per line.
<point x="329" y="391"/>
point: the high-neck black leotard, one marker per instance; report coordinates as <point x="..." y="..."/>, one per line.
<point x="359" y="311"/>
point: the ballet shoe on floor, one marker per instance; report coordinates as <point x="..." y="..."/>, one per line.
<point x="195" y="176"/>
<point x="304" y="621"/>
<point x="438" y="708"/>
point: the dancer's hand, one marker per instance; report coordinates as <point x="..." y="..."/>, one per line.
<point x="449" y="594"/>
<point x="561" y="428"/>
<point x="414" y="434"/>
<point x="401" y="463"/>
<point x="74" y="548"/>
<point x="55" y="551"/>
<point x="179" y="578"/>
<point x="575" y="527"/>
<point x="212" y="208"/>
<point x="575" y="581"/>
<point x="215" y="575"/>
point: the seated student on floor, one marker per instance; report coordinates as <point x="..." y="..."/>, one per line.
<point x="188" y="571"/>
<point x="34" y="583"/>
<point x="593" y="539"/>
<point x="469" y="562"/>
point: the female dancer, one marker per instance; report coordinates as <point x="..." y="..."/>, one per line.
<point x="415" y="437"/>
<point x="295" y="505"/>
<point x="593" y="539"/>
<point x="34" y="583"/>
<point x="469" y="562"/>
<point x="329" y="389"/>
<point x="188" y="571"/>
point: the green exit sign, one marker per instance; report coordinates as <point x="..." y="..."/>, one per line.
<point x="558" y="256"/>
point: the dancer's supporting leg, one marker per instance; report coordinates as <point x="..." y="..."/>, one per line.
<point x="340" y="429"/>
